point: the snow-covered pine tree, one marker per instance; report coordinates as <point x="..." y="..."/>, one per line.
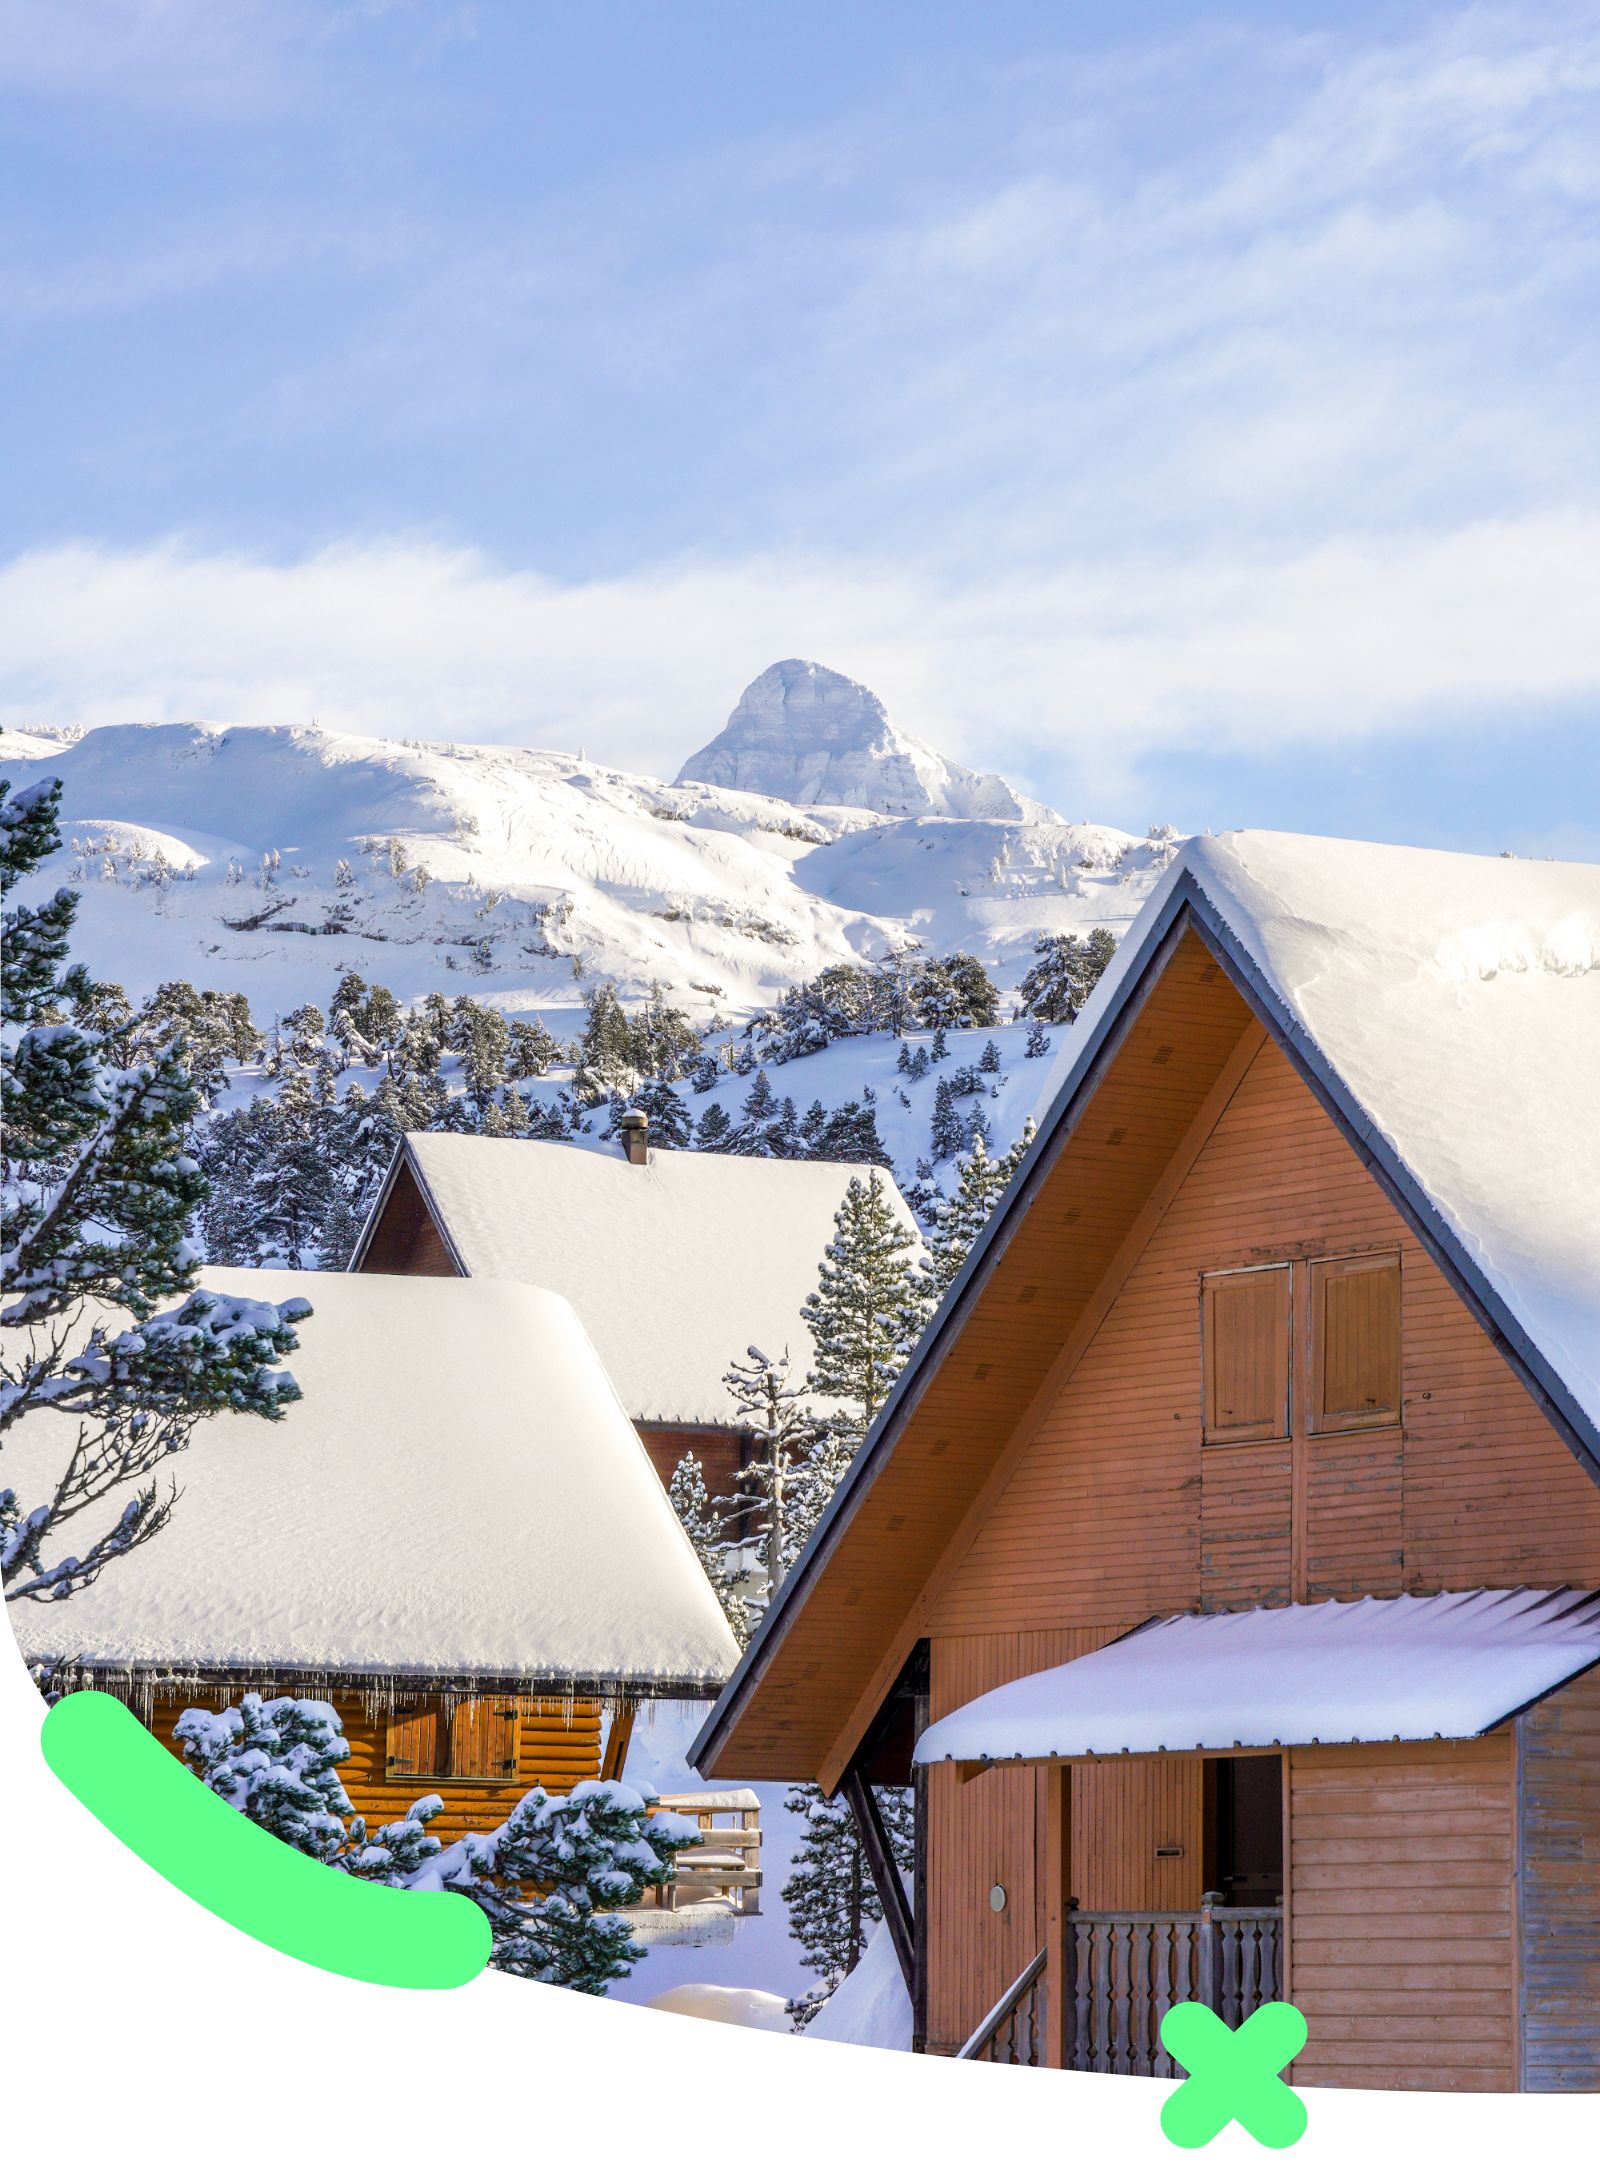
<point x="532" y="1050"/>
<point x="847" y="1135"/>
<point x="277" y="1762"/>
<point x="947" y="1133"/>
<point x="938" y="1049"/>
<point x="980" y="1181"/>
<point x="752" y="1134"/>
<point x="1065" y="970"/>
<point x="705" y="1520"/>
<point x="1038" y="1043"/>
<point x="990" y="1060"/>
<point x="671" y="1123"/>
<point x="550" y="1878"/>
<point x="773" y="1407"/>
<point x="869" y="1305"/>
<point x="97" y="1189"/>
<point x="606" y="1049"/>
<point x="714" y="1128"/>
<point x="830" y="1896"/>
<point x="978" y="1127"/>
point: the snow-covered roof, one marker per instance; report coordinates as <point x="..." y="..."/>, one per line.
<point x="458" y="1493"/>
<point x="675" y="1266"/>
<point x="1365" y="1670"/>
<point x="1456" y="1000"/>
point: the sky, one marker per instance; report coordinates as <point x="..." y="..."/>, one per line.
<point x="1189" y="412"/>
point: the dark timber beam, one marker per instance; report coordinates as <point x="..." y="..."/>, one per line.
<point x="886" y="1878"/>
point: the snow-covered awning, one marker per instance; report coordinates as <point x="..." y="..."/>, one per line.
<point x="1365" y="1670"/>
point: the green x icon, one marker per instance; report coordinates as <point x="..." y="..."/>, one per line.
<point x="1233" y="2073"/>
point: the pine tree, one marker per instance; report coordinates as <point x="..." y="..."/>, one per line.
<point x="848" y="1135"/>
<point x="705" y="1520"/>
<point x="947" y="1135"/>
<point x="550" y="1878"/>
<point x="990" y="1061"/>
<point x="978" y="1128"/>
<point x="671" y="1126"/>
<point x="979" y="1184"/>
<point x="938" y="1049"/>
<point x="773" y="1408"/>
<point x="1064" y="971"/>
<point x="97" y="1190"/>
<point x="869" y="1305"/>
<point x="980" y="1181"/>
<point x="831" y="1898"/>
<point x="606" y="1050"/>
<point x="532" y="1050"/>
<point x="1038" y="1043"/>
<point x="714" y="1128"/>
<point x="276" y="1763"/>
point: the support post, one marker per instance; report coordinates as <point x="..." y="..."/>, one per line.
<point x="886" y="1879"/>
<point x="618" y="1737"/>
<point x="1059" y="1978"/>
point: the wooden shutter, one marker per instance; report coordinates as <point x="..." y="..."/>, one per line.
<point x="1246" y="1350"/>
<point x="414" y="1743"/>
<point x="1355" y="1342"/>
<point x="483" y="1739"/>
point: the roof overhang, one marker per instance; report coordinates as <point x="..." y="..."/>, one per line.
<point x="1440" y="1668"/>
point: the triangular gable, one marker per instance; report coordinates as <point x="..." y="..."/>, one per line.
<point x="1157" y="1053"/>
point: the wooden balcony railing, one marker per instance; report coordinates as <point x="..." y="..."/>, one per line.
<point x="1123" y="1971"/>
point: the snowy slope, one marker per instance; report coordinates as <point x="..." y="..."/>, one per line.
<point x="520" y="875"/>
<point x="810" y="735"/>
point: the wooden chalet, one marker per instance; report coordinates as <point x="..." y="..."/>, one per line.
<point x="676" y="1261"/>
<point x="1222" y="1571"/>
<point x="454" y="1536"/>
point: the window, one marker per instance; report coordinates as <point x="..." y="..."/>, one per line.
<point x="445" y="1738"/>
<point x="1355" y="1342"/>
<point x="1245" y="1321"/>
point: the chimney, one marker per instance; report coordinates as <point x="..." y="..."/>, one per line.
<point x="635" y="1131"/>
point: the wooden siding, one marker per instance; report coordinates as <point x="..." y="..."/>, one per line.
<point x="557" y="1745"/>
<point x="1559" y="1812"/>
<point x="405" y="1240"/>
<point x="1402" y="1953"/>
<point x="1118" y="1509"/>
<point x="721" y="1452"/>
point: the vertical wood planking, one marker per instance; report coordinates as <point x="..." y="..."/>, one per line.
<point x="1559" y="1799"/>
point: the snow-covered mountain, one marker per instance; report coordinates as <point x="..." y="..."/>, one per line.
<point x="266" y="860"/>
<point x="808" y="735"/>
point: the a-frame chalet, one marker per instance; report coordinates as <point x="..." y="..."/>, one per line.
<point x="1223" y="1570"/>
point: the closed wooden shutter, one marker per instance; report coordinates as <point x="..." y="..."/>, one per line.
<point x="483" y="1739"/>
<point x="414" y="1744"/>
<point x="1355" y="1342"/>
<point x="1246" y="1349"/>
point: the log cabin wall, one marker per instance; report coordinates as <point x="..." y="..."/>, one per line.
<point x="1117" y="1510"/>
<point x="1401" y="1902"/>
<point x="1558" y="1800"/>
<point x="558" y="1744"/>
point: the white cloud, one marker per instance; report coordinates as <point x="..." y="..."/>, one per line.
<point x="1083" y="673"/>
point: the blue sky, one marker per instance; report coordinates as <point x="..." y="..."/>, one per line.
<point x="1191" y="412"/>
